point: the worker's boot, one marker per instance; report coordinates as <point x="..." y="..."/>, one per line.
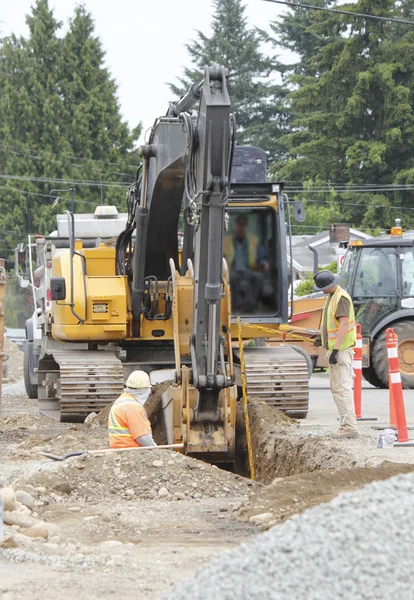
<point x="345" y="434"/>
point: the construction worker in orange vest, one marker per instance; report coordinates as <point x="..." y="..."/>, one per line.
<point x="128" y="424"/>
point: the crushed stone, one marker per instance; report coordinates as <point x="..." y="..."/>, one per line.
<point x="358" y="546"/>
<point x="110" y="476"/>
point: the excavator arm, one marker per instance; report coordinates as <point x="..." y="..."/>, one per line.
<point x="187" y="161"/>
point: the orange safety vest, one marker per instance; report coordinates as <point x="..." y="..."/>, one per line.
<point x="118" y="431"/>
<point x="228" y="250"/>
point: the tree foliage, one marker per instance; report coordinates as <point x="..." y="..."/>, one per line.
<point x="352" y="97"/>
<point x="60" y="125"/>
<point x="257" y="101"/>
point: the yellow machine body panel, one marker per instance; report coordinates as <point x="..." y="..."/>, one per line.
<point x="100" y="298"/>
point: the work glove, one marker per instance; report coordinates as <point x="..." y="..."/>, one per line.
<point x="333" y="357"/>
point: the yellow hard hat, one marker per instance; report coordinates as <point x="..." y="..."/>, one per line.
<point x="138" y="380"/>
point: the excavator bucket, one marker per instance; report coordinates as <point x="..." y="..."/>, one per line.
<point x="213" y="440"/>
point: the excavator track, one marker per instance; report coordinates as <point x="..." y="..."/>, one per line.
<point x="76" y="383"/>
<point x="278" y="376"/>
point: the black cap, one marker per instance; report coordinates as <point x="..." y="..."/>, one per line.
<point x="325" y="280"/>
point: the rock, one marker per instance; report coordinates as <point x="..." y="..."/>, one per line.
<point x="223" y="508"/>
<point x="163" y="492"/>
<point x="194" y="485"/>
<point x="17" y="518"/>
<point x="8" y="496"/>
<point x="157" y="463"/>
<point x="26" y="499"/>
<point x="170" y="463"/>
<point x="117" y="471"/>
<point x="152" y="494"/>
<point x="130" y="493"/>
<point x="79" y="465"/>
<point x="40" y="530"/>
<point x="74" y="509"/>
<point x="192" y="465"/>
<point x="237" y="506"/>
<point x="54" y="539"/>
<point x="63" y="487"/>
<point x="8" y="543"/>
<point x="41" y="490"/>
<point x="262" y="518"/>
<point x="110" y="544"/>
<point x="179" y="496"/>
<point x="90" y="418"/>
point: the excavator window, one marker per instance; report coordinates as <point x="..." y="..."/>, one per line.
<point x="250" y="250"/>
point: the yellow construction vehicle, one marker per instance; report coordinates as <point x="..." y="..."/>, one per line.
<point x="103" y="311"/>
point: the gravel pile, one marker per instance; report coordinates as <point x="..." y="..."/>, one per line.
<point x="138" y="475"/>
<point x="359" y="547"/>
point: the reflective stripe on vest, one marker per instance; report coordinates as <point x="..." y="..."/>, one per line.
<point x="333" y="323"/>
<point x="114" y="428"/>
<point x="229" y="252"/>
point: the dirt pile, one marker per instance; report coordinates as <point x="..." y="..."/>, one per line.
<point x="14" y="364"/>
<point x="287" y="496"/>
<point x="139" y="475"/>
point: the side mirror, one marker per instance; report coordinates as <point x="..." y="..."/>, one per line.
<point x="58" y="288"/>
<point x="20" y="265"/>
<point x="299" y="211"/>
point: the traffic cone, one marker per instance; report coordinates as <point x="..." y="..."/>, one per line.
<point x="393" y="418"/>
<point x="358" y="376"/>
<point x="396" y="392"/>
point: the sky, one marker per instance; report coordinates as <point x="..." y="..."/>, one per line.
<point x="144" y="42"/>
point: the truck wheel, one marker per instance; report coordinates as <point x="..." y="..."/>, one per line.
<point x="31" y="390"/>
<point x="405" y="332"/>
<point x="370" y="376"/>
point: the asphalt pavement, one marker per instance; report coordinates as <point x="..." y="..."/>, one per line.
<point x="375" y="403"/>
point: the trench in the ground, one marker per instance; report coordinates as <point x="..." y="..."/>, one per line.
<point x="278" y="449"/>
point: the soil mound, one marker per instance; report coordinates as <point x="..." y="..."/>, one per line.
<point x="14" y="364"/>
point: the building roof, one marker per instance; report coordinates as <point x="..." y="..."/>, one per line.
<point x="327" y="252"/>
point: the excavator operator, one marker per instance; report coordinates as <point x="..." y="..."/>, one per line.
<point x="246" y="258"/>
<point x="128" y="424"/>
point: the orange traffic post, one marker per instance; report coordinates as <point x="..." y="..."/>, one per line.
<point x="358" y="376"/>
<point x="396" y="388"/>
<point x="393" y="418"/>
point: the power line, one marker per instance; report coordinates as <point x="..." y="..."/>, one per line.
<point x="61" y="162"/>
<point x="341" y="12"/>
<point x="12" y="189"/>
<point x="69" y="156"/>
<point x="354" y="190"/>
<point x="80" y="182"/>
<point x="363" y="205"/>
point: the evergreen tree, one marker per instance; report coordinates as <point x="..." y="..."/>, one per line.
<point x="59" y="120"/>
<point x="256" y="99"/>
<point x="96" y="130"/>
<point x="353" y="113"/>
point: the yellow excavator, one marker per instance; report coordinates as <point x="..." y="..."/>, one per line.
<point x="103" y="311"/>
